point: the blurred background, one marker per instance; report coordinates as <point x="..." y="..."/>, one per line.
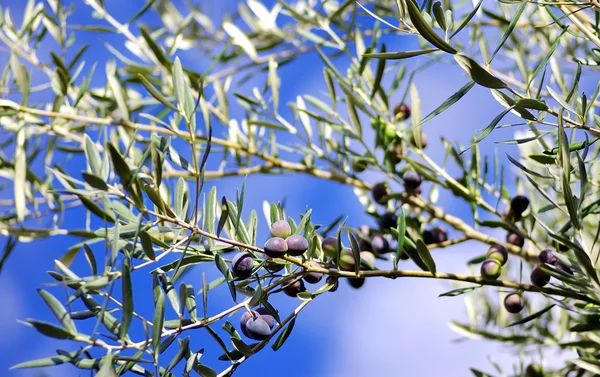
<point x="387" y="328"/>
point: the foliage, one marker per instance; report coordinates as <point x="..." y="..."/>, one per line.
<point x="148" y="128"/>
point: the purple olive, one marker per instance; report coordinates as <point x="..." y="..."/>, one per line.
<point x="242" y="265"/>
<point x="379" y="245"/>
<point x="293" y="289"/>
<point x="275" y="247"/>
<point x="539" y="277"/>
<point x="257" y="328"/>
<point x="515" y="239"/>
<point x="245" y="318"/>
<point x="313" y="277"/>
<point x="514" y="303"/>
<point x="267" y="317"/>
<point x="402" y="111"/>
<point x="519" y="204"/>
<point x="381" y="192"/>
<point x="387" y="221"/>
<point x="297" y="245"/>
<point x="412" y="180"/>
<point x="547" y="256"/>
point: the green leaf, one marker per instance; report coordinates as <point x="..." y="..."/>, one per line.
<point x="284" y="335"/>
<point x="440" y="17"/>
<point x="222" y="266"/>
<point x="468" y="18"/>
<point x="58" y="310"/>
<point x="159" y="318"/>
<point x="190" y="300"/>
<point x="44" y="362"/>
<point x="156" y="49"/>
<point x="107" y="368"/>
<point x="544" y="61"/>
<point x="399" y="55"/>
<point x="155" y="93"/>
<point x="379" y="73"/>
<point x="400" y="237"/>
<point x="478" y="74"/>
<point x="459" y="291"/>
<point x="51" y="330"/>
<point x="449" y="102"/>
<point x="355" y="251"/>
<point x="117" y="89"/>
<point x="511" y="27"/>
<point x="94" y="181"/>
<point x="184" y="348"/>
<point x="169" y="289"/>
<point x="20" y="175"/>
<point x="426" y="256"/>
<point x="488" y="129"/>
<point x="127" y="297"/>
<point x="127" y="179"/>
<point x="240" y="39"/>
<point x="532" y="316"/>
<point x="425" y="30"/>
<point x="183" y="94"/>
<point x="92" y="156"/>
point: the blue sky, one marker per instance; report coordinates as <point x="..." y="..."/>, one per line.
<point x="386" y="327"/>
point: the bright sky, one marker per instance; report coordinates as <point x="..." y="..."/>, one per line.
<point x="387" y="328"/>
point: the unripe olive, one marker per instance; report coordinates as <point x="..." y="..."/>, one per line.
<point x="329" y="246"/>
<point x="281" y="229"/>
<point x="534" y="370"/>
<point x="347" y="262"/>
<point x="491" y="269"/>
<point x="359" y="165"/>
<point x="367" y="257"/>
<point x="499" y="253"/>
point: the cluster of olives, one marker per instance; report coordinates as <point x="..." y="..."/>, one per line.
<point x="284" y="242"/>
<point x="257" y="324"/>
<point x="347" y="262"/>
<point x="491" y="268"/>
<point x="434" y="235"/>
<point x="540" y="277"/>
